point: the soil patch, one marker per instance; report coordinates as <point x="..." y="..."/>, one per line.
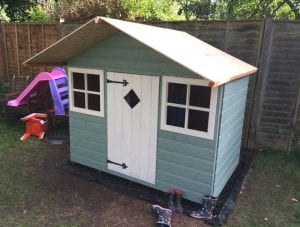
<point x="88" y="202"/>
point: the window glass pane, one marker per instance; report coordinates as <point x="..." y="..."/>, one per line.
<point x="175" y="116"/>
<point x="198" y="120"/>
<point x="79" y="99"/>
<point x="177" y="93"/>
<point x="200" y="96"/>
<point x="94" y="102"/>
<point x="93" y="82"/>
<point x="78" y="81"/>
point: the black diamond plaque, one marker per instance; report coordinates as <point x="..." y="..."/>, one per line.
<point x="132" y="99"/>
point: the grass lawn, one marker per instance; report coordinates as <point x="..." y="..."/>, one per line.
<point x="271" y="196"/>
<point x="27" y="198"/>
<point x="17" y="183"/>
<point x="20" y="186"/>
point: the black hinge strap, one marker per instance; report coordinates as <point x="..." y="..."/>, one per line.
<point x="124" y="82"/>
<point x="123" y="165"/>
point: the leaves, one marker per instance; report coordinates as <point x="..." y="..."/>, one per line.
<point x="83" y="10"/>
<point x="151" y="9"/>
<point x="17" y="10"/>
<point x="200" y="9"/>
<point x="3" y="15"/>
<point x="258" y="9"/>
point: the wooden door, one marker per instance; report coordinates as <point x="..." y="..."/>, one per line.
<point x="132" y="114"/>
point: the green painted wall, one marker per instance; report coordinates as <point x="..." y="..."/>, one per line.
<point x="184" y="162"/>
<point x="88" y="140"/>
<point x="231" y="129"/>
<point x="120" y="53"/>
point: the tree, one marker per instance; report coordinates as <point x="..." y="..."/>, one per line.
<point x="17" y="10"/>
<point x="295" y="7"/>
<point x="200" y="9"/>
<point x="151" y="9"/>
<point x="83" y="10"/>
<point x="258" y="9"/>
<point x="3" y="15"/>
<point x="44" y="11"/>
<point x="37" y="14"/>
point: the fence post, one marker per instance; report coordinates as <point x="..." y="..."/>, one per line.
<point x="3" y="51"/>
<point x="260" y="86"/>
<point x="17" y="49"/>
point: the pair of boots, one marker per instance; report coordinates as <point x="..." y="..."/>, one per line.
<point x="164" y="216"/>
<point x="174" y="202"/>
<point x="206" y="211"/>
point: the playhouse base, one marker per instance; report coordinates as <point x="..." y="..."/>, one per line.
<point x="221" y="213"/>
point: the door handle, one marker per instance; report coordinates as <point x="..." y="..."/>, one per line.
<point x="124" y="82"/>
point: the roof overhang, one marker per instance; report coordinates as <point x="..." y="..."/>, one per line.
<point x="193" y="54"/>
<point x="80" y="39"/>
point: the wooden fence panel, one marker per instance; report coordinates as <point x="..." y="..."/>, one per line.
<point x="11" y="45"/>
<point x="2" y="53"/>
<point x="51" y="35"/>
<point x="23" y="49"/>
<point x="282" y="82"/>
<point x="23" y="41"/>
<point x="37" y="43"/>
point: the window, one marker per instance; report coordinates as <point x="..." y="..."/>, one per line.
<point x="86" y="91"/>
<point x="188" y="107"/>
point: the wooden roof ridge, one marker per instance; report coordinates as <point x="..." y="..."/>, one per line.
<point x="190" y="52"/>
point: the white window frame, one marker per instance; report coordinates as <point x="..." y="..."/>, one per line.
<point x="86" y="71"/>
<point x="211" y="110"/>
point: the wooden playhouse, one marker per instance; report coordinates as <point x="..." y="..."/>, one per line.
<point x="152" y="105"/>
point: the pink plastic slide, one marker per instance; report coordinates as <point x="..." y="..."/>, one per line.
<point x="42" y="80"/>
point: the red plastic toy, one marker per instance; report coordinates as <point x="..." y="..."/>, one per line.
<point x="36" y="125"/>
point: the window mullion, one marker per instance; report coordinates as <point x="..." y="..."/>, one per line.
<point x="175" y="105"/>
<point x="79" y="90"/>
<point x="187" y="106"/>
<point x="166" y="102"/>
<point x="71" y="92"/>
<point x="93" y="92"/>
<point x="199" y="108"/>
<point x="85" y="91"/>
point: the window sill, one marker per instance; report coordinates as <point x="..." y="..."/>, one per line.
<point x="88" y="112"/>
<point x="188" y="132"/>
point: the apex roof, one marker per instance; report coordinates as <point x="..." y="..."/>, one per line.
<point x="190" y="52"/>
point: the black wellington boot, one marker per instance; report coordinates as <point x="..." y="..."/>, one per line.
<point x="206" y="211"/>
<point x="164" y="216"/>
<point x="179" y="208"/>
<point x="171" y="204"/>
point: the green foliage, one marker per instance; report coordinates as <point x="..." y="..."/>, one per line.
<point x="4" y="88"/>
<point x="17" y="10"/>
<point x="3" y="14"/>
<point x="200" y="9"/>
<point x="257" y="9"/>
<point x="37" y="14"/>
<point x="83" y="10"/>
<point x="151" y="9"/>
